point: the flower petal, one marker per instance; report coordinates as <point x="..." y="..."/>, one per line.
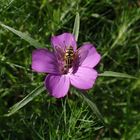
<point x="63" y="41"/>
<point x="44" y="61"/>
<point x="83" y="78"/>
<point x="57" y="85"/>
<point x="88" y="56"/>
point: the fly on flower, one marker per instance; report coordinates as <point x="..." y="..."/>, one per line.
<point x="68" y="59"/>
<point x="66" y="65"/>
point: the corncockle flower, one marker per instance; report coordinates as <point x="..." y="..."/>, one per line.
<point x="66" y="65"/>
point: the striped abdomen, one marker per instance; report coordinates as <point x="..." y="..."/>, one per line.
<point x="69" y="57"/>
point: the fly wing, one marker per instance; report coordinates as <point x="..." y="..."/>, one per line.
<point x="80" y="56"/>
<point x="59" y="51"/>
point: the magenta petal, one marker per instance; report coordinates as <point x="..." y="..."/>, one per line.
<point x="44" y="61"/>
<point x="57" y="85"/>
<point x="84" y="78"/>
<point x="88" y="56"/>
<point x="64" y="41"/>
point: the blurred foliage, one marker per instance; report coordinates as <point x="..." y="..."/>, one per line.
<point x="113" y="27"/>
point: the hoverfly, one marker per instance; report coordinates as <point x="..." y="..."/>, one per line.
<point x="69" y="58"/>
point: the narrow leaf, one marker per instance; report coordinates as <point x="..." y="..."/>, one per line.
<point x="76" y="26"/>
<point x="138" y="53"/>
<point x="116" y="74"/>
<point x="24" y="36"/>
<point x="92" y="106"/>
<point x="26" y="100"/>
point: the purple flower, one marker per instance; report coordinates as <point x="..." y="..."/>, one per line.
<point x="66" y="65"/>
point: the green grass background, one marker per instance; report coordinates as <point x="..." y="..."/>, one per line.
<point x="113" y="26"/>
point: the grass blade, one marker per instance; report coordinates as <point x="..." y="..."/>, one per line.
<point x="25" y="100"/>
<point x="92" y="106"/>
<point x="116" y="74"/>
<point x="24" y="36"/>
<point x="76" y="26"/>
<point x="138" y="53"/>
